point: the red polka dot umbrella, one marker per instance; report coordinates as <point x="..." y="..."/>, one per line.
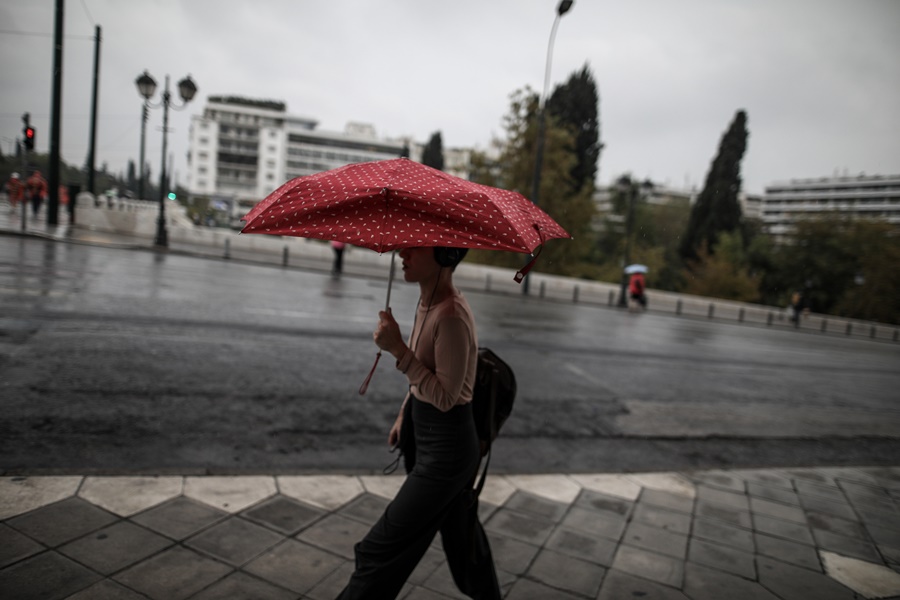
<point x="391" y="204"/>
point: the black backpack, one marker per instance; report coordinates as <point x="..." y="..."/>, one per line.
<point x="493" y="397"/>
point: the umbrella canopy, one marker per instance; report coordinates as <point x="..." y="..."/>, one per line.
<point x="635" y="268"/>
<point x="391" y="204"/>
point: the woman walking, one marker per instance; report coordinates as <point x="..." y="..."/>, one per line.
<point x="436" y="416"/>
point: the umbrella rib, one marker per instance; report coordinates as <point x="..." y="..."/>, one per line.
<point x="384" y="218"/>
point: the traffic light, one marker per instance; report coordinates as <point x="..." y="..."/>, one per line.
<point x="172" y="196"/>
<point x="29" y="137"/>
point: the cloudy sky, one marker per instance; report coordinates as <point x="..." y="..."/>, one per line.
<point x="819" y="79"/>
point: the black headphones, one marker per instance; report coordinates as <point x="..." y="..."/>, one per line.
<point x="449" y="257"/>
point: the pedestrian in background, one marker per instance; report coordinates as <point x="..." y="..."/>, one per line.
<point x="439" y="364"/>
<point x="15" y="190"/>
<point x="37" y="189"/>
<point x="637" y="290"/>
<point x="796" y="307"/>
<point x="338" y="265"/>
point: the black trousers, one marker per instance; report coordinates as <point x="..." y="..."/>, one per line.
<point x="36" y="201"/>
<point x="436" y="496"/>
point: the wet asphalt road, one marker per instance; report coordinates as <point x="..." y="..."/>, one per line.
<point x="127" y="361"/>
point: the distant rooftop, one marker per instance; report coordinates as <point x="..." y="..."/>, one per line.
<point x="275" y="105"/>
<point x="845" y="179"/>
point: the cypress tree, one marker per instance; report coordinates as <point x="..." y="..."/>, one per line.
<point x="433" y="153"/>
<point x="717" y="208"/>
<point x="574" y="106"/>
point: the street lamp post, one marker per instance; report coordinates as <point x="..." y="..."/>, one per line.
<point x="563" y="7"/>
<point x="146" y="87"/>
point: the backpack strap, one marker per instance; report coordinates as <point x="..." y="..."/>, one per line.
<point x="487" y="462"/>
<point x="491" y="410"/>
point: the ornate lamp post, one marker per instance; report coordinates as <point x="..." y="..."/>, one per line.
<point x="146" y="87"/>
<point x="563" y="7"/>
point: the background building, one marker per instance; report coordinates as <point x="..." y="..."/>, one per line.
<point x="751" y="205"/>
<point x="861" y="197"/>
<point x="241" y="149"/>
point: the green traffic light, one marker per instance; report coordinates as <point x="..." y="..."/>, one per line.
<point x="172" y="195"/>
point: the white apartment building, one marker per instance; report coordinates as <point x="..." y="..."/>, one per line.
<point x="653" y="194"/>
<point x="751" y="205"/>
<point x="861" y="197"/>
<point x="242" y="149"/>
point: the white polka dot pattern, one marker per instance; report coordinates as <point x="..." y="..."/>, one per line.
<point x="399" y="203"/>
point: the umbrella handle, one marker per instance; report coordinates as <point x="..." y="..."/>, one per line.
<point x="521" y="273"/>
<point x="365" y="384"/>
<point x="387" y="306"/>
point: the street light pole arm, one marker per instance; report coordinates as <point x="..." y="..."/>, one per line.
<point x="542" y="119"/>
<point x="543" y="98"/>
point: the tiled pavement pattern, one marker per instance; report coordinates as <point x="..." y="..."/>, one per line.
<point x="790" y="534"/>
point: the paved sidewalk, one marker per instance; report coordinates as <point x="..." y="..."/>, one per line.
<point x="793" y="534"/>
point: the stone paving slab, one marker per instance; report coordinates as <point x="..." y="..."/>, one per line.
<point x="756" y="534"/>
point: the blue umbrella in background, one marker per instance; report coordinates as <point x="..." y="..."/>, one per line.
<point x="635" y="268"/>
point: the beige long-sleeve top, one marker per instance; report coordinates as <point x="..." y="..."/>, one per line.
<point x="441" y="363"/>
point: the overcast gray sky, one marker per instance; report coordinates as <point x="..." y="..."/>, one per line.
<point x="819" y="79"/>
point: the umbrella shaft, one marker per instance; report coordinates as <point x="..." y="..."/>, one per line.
<point x="387" y="303"/>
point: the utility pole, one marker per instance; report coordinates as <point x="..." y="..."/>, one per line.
<point x="55" y="125"/>
<point x="28" y="135"/>
<point x="92" y="154"/>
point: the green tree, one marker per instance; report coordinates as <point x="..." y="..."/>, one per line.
<point x="659" y="228"/>
<point x="575" y="105"/>
<point x="875" y="292"/>
<point x="717" y="209"/>
<point x="655" y="233"/>
<point x="723" y="274"/>
<point x="514" y="170"/>
<point x="484" y="167"/>
<point x="843" y="266"/>
<point x="433" y="153"/>
<point x="819" y="262"/>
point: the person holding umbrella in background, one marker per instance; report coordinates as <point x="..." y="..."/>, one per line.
<point x="636" y="286"/>
<point x="439" y="361"/>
